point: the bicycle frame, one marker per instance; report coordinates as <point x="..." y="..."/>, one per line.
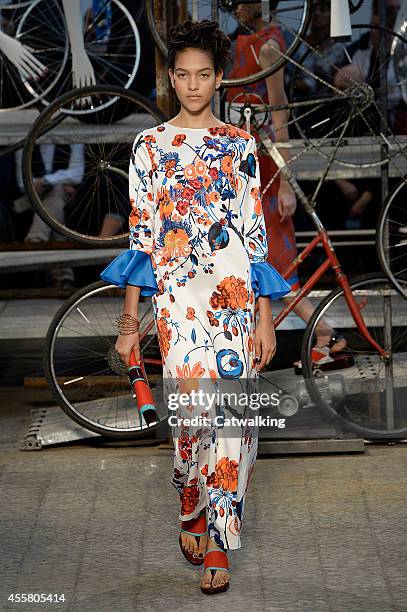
<point x="331" y="260"/>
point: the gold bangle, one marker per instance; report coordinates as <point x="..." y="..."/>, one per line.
<point x="126" y="324"/>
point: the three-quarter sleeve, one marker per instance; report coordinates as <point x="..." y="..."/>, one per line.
<point x="134" y="266"/>
<point x="265" y="279"/>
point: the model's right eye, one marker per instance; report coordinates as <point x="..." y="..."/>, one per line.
<point x="181" y="74"/>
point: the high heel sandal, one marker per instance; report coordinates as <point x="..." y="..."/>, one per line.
<point x="216" y="560"/>
<point x="197" y="528"/>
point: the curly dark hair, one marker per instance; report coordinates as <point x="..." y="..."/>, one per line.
<point x="204" y="35"/>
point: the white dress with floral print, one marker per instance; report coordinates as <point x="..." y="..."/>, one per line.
<point x="198" y="246"/>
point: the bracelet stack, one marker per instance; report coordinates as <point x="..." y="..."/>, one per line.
<point x="126" y="324"/>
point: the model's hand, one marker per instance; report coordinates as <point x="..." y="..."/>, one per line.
<point x="125" y="344"/>
<point x="287" y="202"/>
<point x="264" y="342"/>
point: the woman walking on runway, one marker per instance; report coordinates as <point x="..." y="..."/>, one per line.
<point x="198" y="246"/>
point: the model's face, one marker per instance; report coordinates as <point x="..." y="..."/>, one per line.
<point x="194" y="79"/>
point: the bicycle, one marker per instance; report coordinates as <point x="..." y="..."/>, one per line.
<point x="117" y="114"/>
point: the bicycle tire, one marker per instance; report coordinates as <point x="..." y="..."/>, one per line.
<point x="50" y="362"/>
<point x="327" y="410"/>
<point x="41" y="126"/>
<point x="262" y="74"/>
<point x="383" y="251"/>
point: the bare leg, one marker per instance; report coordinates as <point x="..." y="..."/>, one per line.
<point x="110" y="227"/>
<point x="304" y="310"/>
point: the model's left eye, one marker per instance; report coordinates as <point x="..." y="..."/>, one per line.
<point x="205" y="74"/>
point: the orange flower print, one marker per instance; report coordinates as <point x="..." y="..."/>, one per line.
<point x="207" y="181"/>
<point x="226" y="164"/>
<point x="178" y="140"/>
<point x="182" y="207"/>
<point x="187" y="377"/>
<point x="165" y="204"/>
<point x="189" y="172"/>
<point x="185" y="446"/>
<point x="213" y="375"/>
<point x="225" y="475"/>
<point x="176" y="244"/>
<point x="255" y="193"/>
<point x="189" y="497"/>
<point x="200" y="167"/>
<point x="212" y="320"/>
<point x="164" y="336"/>
<point x="190" y="313"/>
<point x="214" y="196"/>
<point x="169" y="167"/>
<point x="134" y="218"/>
<point x="232" y="132"/>
<point x="232" y="293"/>
<point x="188" y="193"/>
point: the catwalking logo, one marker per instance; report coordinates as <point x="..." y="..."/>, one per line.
<point x="215" y="402"/>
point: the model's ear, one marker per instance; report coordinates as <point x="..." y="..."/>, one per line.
<point x="171" y="75"/>
<point x="219" y="76"/>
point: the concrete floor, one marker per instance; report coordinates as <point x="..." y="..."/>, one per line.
<point x="98" y="524"/>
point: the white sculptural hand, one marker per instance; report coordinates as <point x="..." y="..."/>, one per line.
<point x="82" y="70"/>
<point x="22" y="57"/>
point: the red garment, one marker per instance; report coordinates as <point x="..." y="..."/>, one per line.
<point x="281" y="236"/>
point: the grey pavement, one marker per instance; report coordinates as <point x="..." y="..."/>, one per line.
<point x="98" y="523"/>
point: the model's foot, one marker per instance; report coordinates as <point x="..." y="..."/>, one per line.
<point x="220" y="578"/>
<point x="191" y="546"/>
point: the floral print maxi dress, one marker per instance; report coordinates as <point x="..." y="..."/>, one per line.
<point x="198" y="246"/>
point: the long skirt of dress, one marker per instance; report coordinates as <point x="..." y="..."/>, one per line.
<point x="213" y="461"/>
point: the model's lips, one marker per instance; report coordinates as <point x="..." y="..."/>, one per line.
<point x="194" y="96"/>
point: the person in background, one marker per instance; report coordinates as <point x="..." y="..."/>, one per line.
<point x="58" y="172"/>
<point x="265" y="41"/>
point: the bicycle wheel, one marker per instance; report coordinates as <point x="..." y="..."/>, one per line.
<point x="31" y="71"/>
<point x="291" y="17"/>
<point x="111" y="43"/>
<point x="83" y="369"/>
<point x="335" y="94"/>
<point x="364" y="397"/>
<point x="391" y="237"/>
<point x="97" y="207"/>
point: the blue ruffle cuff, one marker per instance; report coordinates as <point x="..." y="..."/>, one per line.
<point x="132" y="268"/>
<point x="266" y="281"/>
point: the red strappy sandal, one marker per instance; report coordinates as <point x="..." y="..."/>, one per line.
<point x="216" y="560"/>
<point x="197" y="528"/>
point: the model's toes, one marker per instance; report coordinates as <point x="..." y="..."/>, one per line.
<point x="206" y="579"/>
<point x="219" y="579"/>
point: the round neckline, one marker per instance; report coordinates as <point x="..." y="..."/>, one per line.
<point x="179" y="127"/>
